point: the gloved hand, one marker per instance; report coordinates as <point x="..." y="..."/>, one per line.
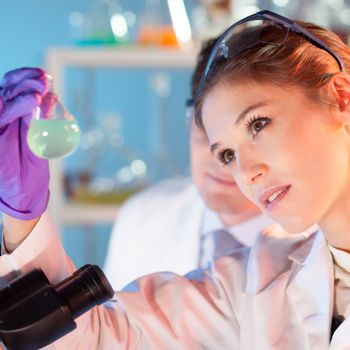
<point x="24" y="178"/>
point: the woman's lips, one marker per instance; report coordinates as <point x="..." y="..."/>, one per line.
<point x="223" y="181"/>
<point x="271" y="197"/>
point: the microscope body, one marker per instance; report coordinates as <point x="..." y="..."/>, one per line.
<point x="34" y="313"/>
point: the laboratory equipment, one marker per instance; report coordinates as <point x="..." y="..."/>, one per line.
<point x="165" y="23"/>
<point x="114" y="170"/>
<point x="163" y="163"/>
<point x="211" y="17"/>
<point x="34" y="313"/>
<point x="53" y="132"/>
<point x="104" y="24"/>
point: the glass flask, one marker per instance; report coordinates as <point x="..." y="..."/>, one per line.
<point x="111" y="170"/>
<point x="53" y="132"/>
<point x="105" y="24"/>
<point x="165" y="23"/>
<point x="163" y="162"/>
<point x="130" y="172"/>
<point x="211" y="18"/>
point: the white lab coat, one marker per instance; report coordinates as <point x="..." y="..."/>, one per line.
<point x="162" y="226"/>
<point x="277" y="295"/>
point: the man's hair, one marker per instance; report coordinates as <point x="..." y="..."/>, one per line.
<point x="202" y="60"/>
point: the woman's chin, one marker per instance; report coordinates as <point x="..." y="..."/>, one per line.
<point x="294" y="226"/>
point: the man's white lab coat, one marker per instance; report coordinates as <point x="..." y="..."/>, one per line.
<point x="162" y="227"/>
<point x="277" y="295"/>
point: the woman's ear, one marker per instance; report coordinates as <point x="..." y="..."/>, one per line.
<point x="339" y="86"/>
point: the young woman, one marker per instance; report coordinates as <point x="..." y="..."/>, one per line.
<point x="274" y="102"/>
<point x="277" y="113"/>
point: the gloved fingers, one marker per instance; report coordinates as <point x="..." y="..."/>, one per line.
<point x="48" y="104"/>
<point x="21" y="106"/>
<point x="23" y="80"/>
<point x="39" y="85"/>
<point x="17" y="75"/>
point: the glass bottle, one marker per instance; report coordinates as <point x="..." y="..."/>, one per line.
<point x="53" y="132"/>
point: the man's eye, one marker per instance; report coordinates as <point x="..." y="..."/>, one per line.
<point x="226" y="156"/>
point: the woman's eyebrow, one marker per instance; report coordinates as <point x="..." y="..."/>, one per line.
<point x="241" y="116"/>
<point x="249" y="109"/>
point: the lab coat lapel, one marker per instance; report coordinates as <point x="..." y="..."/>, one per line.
<point x="311" y="291"/>
<point x="282" y="318"/>
<point x="271" y="257"/>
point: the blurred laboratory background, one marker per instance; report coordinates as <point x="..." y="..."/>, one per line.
<point x="123" y="69"/>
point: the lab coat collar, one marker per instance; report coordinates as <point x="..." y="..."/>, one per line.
<point x="245" y="232"/>
<point x="290" y="278"/>
<point x="312" y="290"/>
<point x="274" y="253"/>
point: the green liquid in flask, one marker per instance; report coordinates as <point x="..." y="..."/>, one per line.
<point x="53" y="138"/>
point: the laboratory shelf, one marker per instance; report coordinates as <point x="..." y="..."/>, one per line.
<point x="89" y="214"/>
<point x="57" y="61"/>
<point x="128" y="56"/>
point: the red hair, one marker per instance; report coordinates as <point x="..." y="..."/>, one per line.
<point x="296" y="62"/>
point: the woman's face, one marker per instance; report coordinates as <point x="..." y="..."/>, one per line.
<point x="288" y="155"/>
<point x="214" y="182"/>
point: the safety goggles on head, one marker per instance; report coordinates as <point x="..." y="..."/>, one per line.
<point x="230" y="45"/>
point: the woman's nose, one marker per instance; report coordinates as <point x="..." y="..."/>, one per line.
<point x="251" y="170"/>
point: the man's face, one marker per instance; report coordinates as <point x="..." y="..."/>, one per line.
<point x="214" y="182"/>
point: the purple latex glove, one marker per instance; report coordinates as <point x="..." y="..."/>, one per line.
<point x="24" y="178"/>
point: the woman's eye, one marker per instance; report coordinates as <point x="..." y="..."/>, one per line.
<point x="227" y="156"/>
<point x="257" y="124"/>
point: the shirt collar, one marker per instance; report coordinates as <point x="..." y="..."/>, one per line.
<point x="341" y="258"/>
<point x="245" y="232"/>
